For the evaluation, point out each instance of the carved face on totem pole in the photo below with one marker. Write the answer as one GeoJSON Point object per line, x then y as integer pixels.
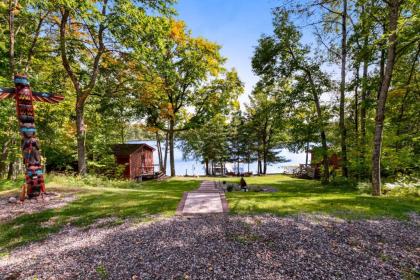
{"type": "Point", "coordinates": [24, 97]}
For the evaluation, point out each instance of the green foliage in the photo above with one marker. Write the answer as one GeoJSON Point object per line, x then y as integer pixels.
{"type": "Point", "coordinates": [102, 272]}
{"type": "Point", "coordinates": [266, 125]}
{"type": "Point", "coordinates": [183, 72]}
{"type": "Point", "coordinates": [207, 143]}
{"type": "Point", "coordinates": [343, 182]}
{"type": "Point", "coordinates": [153, 71]}
{"type": "Point", "coordinates": [284, 60]}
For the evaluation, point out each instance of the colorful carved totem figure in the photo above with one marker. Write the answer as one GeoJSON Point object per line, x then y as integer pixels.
{"type": "Point", "coordinates": [34, 185]}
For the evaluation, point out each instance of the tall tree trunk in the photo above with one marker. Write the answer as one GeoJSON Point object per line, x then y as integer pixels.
{"type": "Point", "coordinates": [3, 158]}
{"type": "Point", "coordinates": [122, 133]}
{"type": "Point", "coordinates": [363, 111]}
{"type": "Point", "coordinates": [165, 156]}
{"type": "Point", "coordinates": [265, 167]}
{"type": "Point", "coordinates": [356, 104]}
{"type": "Point", "coordinates": [12, 63]}
{"type": "Point", "coordinates": [264, 158]}
{"type": "Point", "coordinates": [171, 147]}
{"type": "Point", "coordinates": [12, 161]}
{"type": "Point", "coordinates": [364, 94]}
{"type": "Point", "coordinates": [356, 118]}
{"type": "Point", "coordinates": [159, 150]}
{"type": "Point", "coordinates": [325, 161]}
{"type": "Point", "coordinates": [307, 153]}
{"type": "Point", "coordinates": [381, 63]}
{"type": "Point", "coordinates": [404, 100]}
{"type": "Point", "coordinates": [326, 174]}
{"type": "Point", "coordinates": [265, 152]}
{"type": "Point", "coordinates": [343, 130]}
{"type": "Point", "coordinates": [264, 146]}
{"type": "Point", "coordinates": [381, 71]}
{"type": "Point", "coordinates": [81, 137]}
{"type": "Point", "coordinates": [259, 166]}
{"type": "Point", "coordinates": [207, 167]}
{"type": "Point", "coordinates": [10, 172]}
{"type": "Point", "coordinates": [394, 7]}
{"type": "Point", "coordinates": [81, 93]}
{"type": "Point", "coordinates": [237, 167]}
{"type": "Point", "coordinates": [12, 71]}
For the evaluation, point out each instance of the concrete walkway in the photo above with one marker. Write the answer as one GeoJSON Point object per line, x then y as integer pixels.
{"type": "Point", "coordinates": [206, 200]}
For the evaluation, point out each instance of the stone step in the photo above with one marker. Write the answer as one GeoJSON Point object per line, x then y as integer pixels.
{"type": "Point", "coordinates": [207, 199]}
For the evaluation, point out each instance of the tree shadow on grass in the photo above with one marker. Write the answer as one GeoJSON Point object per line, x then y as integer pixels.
{"type": "Point", "coordinates": [159, 198]}
{"type": "Point", "coordinates": [349, 206]}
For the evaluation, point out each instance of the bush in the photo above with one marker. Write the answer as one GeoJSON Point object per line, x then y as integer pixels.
{"type": "Point", "coordinates": [343, 182]}
{"type": "Point", "coordinates": [364, 187]}
{"type": "Point", "coordinates": [403, 186]}
{"type": "Point", "coordinates": [90, 181]}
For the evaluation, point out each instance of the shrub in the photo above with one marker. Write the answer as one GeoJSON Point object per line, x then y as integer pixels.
{"type": "Point", "coordinates": [343, 182]}
{"type": "Point", "coordinates": [364, 187]}
{"type": "Point", "coordinates": [403, 186]}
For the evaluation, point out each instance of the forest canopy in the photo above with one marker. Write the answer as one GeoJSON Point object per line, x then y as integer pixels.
{"type": "Point", "coordinates": [132, 69]}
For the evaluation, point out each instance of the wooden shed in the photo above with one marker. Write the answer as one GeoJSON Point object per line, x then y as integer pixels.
{"type": "Point", "coordinates": [137, 158]}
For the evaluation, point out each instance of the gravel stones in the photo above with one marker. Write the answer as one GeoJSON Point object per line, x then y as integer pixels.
{"type": "Point", "coordinates": [10, 210]}
{"type": "Point", "coordinates": [225, 247]}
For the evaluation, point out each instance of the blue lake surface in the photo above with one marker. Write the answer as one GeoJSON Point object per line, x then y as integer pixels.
{"type": "Point", "coordinates": [192, 167]}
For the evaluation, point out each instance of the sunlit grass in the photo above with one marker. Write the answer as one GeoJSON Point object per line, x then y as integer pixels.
{"type": "Point", "coordinates": [97, 199]}
{"type": "Point", "coordinates": [309, 196]}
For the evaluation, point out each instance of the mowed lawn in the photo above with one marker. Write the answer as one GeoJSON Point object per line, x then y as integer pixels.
{"type": "Point", "coordinates": [96, 199]}
{"type": "Point", "coordinates": [309, 196]}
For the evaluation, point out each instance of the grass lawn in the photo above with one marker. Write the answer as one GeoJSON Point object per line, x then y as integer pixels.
{"type": "Point", "coordinates": [97, 198]}
{"type": "Point", "coordinates": [9, 185]}
{"type": "Point", "coordinates": [309, 196]}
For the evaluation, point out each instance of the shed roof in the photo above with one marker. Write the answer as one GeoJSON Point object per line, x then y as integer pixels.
{"type": "Point", "coordinates": [128, 149]}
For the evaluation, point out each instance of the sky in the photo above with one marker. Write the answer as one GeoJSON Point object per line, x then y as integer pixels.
{"type": "Point", "coordinates": [236, 25]}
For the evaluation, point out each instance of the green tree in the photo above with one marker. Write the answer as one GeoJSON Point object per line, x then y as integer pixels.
{"type": "Point", "coordinates": [283, 57]}
{"type": "Point", "coordinates": [101, 24]}
{"type": "Point", "coordinates": [190, 84]}
{"type": "Point", "coordinates": [208, 143]}
{"type": "Point", "coordinates": [395, 15]}
{"type": "Point", "coordinates": [266, 115]}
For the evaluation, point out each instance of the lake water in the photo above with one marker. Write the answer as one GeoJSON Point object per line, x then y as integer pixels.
{"type": "Point", "coordinates": [192, 167]}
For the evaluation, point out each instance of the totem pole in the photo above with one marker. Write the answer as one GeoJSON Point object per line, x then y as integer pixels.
{"type": "Point", "coordinates": [24, 96]}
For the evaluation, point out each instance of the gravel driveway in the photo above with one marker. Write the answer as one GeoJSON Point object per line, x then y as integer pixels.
{"type": "Point", "coordinates": [225, 247]}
